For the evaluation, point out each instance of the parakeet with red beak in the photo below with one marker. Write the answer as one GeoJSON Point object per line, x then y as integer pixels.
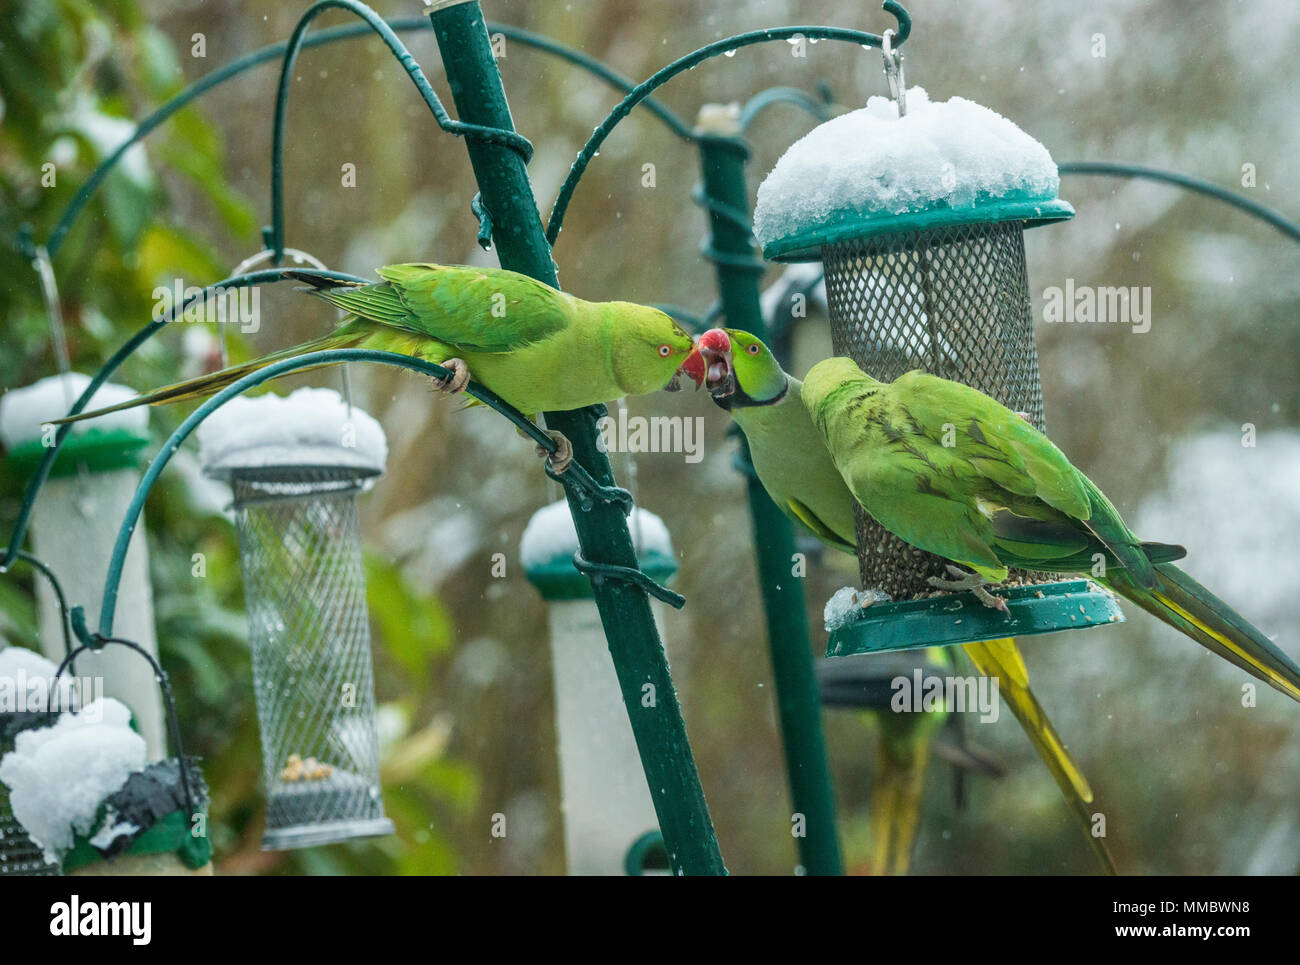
{"type": "Point", "coordinates": [796, 468]}
{"type": "Point", "coordinates": [538, 348]}
{"type": "Point", "coordinates": [992, 492]}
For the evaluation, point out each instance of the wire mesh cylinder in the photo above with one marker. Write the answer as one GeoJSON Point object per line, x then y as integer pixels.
{"type": "Point", "coordinates": [305, 592]}
{"type": "Point", "coordinates": [953, 301]}
{"type": "Point", "coordinates": [19, 855]}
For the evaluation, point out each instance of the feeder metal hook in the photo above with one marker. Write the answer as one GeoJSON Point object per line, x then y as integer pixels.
{"type": "Point", "coordinates": [299, 258]}
{"type": "Point", "coordinates": [893, 59]}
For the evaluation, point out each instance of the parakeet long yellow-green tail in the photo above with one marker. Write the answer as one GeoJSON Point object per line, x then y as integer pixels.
{"type": "Point", "coordinates": [1002, 659]}
{"type": "Point", "coordinates": [949, 470]}
{"type": "Point", "coordinates": [897, 786]}
{"type": "Point", "coordinates": [538, 348]}
{"type": "Point", "coordinates": [795, 467]}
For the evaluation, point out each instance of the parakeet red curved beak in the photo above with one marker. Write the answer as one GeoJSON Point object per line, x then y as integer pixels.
{"type": "Point", "coordinates": [694, 367]}
{"type": "Point", "coordinates": [714, 347]}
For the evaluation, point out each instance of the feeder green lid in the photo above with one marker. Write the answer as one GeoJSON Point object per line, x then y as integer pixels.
{"type": "Point", "coordinates": [549, 542]}
{"type": "Point", "coordinates": [99, 450]}
{"type": "Point", "coordinates": [870, 172]}
{"type": "Point", "coordinates": [101, 445]}
{"type": "Point", "coordinates": [958, 618]}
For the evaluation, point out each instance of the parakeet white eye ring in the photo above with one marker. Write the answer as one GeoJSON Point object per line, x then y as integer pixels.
{"type": "Point", "coordinates": [753, 349]}
{"type": "Point", "coordinates": [665, 351]}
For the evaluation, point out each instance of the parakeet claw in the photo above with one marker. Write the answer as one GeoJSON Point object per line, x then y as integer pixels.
{"type": "Point", "coordinates": [459, 378]}
{"type": "Point", "coordinates": [972, 582]}
{"type": "Point", "coordinates": [563, 455]}
{"type": "Point", "coordinates": [1025, 416]}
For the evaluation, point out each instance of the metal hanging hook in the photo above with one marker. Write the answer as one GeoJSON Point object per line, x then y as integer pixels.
{"type": "Point", "coordinates": [301, 258]}
{"type": "Point", "coordinates": [893, 58]}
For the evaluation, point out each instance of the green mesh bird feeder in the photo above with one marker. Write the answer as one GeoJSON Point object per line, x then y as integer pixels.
{"type": "Point", "coordinates": [75, 524]}
{"type": "Point", "coordinates": [610, 826]}
{"type": "Point", "coordinates": [917, 210]}
{"type": "Point", "coordinates": [295, 465]}
{"type": "Point", "coordinates": [79, 783]}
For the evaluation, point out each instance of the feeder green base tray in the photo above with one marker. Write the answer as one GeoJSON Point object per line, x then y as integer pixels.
{"type": "Point", "coordinates": [957, 618]}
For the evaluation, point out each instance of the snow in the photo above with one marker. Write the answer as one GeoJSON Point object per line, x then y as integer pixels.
{"type": "Point", "coordinates": [25, 682]}
{"type": "Point", "coordinates": [110, 831]}
{"type": "Point", "coordinates": [308, 427]}
{"type": "Point", "coordinates": [550, 535]}
{"type": "Point", "coordinates": [23, 411]}
{"type": "Point", "coordinates": [844, 606]}
{"type": "Point", "coordinates": [941, 153]}
{"type": "Point", "coordinates": [58, 776]}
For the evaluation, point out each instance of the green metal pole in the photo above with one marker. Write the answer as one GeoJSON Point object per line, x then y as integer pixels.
{"type": "Point", "coordinates": [723, 154]}
{"type": "Point", "coordinates": [603, 535]}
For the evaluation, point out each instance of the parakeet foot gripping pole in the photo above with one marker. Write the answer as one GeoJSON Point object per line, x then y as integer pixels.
{"type": "Point", "coordinates": [507, 197]}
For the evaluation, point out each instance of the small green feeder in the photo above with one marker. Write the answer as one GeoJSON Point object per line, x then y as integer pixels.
{"type": "Point", "coordinates": [610, 827]}
{"type": "Point", "coordinates": [75, 525]}
{"type": "Point", "coordinates": [918, 217]}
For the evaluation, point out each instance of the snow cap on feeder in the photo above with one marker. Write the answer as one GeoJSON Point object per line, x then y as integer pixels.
{"type": "Point", "coordinates": [296, 464]}
{"type": "Point", "coordinates": [75, 524]}
{"type": "Point", "coordinates": [110, 442]}
{"type": "Point", "coordinates": [871, 172]}
{"type": "Point", "coordinates": [610, 827]}
{"type": "Point", "coordinates": [81, 787]}
{"type": "Point", "coordinates": [309, 428]}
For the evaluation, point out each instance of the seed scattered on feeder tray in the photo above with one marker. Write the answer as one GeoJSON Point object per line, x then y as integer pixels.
{"type": "Point", "coordinates": [297, 769]}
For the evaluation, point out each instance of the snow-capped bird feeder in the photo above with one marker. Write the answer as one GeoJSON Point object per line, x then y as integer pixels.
{"type": "Point", "coordinates": [75, 524]}
{"type": "Point", "coordinates": [24, 675]}
{"type": "Point", "coordinates": [82, 788]}
{"type": "Point", "coordinates": [918, 216]}
{"type": "Point", "coordinates": [295, 465]}
{"type": "Point", "coordinates": [610, 827]}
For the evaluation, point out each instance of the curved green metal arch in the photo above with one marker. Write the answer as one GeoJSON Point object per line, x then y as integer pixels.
{"type": "Point", "coordinates": [42, 471]}
{"type": "Point", "coordinates": [1119, 169]}
{"type": "Point", "coordinates": [274, 51]}
{"type": "Point", "coordinates": [693, 59]}
{"type": "Point", "coordinates": [489, 398]}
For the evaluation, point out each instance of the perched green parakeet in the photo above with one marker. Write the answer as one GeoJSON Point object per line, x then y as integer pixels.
{"type": "Point", "coordinates": [1001, 495]}
{"type": "Point", "coordinates": [538, 348]}
{"type": "Point", "coordinates": [795, 467]}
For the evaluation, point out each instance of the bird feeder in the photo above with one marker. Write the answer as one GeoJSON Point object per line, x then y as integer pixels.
{"type": "Point", "coordinates": [610, 827]}
{"type": "Point", "coordinates": [75, 524]}
{"type": "Point", "coordinates": [79, 785]}
{"type": "Point", "coordinates": [23, 674]}
{"type": "Point", "coordinates": [918, 216]}
{"type": "Point", "coordinates": [295, 465]}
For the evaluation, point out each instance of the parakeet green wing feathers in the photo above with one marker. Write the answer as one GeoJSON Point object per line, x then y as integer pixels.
{"type": "Point", "coordinates": [489, 311]}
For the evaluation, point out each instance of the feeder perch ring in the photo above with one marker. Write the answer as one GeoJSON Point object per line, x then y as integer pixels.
{"type": "Point", "coordinates": [953, 619]}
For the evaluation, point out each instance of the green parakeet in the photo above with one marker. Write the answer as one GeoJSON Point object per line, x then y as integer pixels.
{"type": "Point", "coordinates": [949, 470]}
{"type": "Point", "coordinates": [795, 467]}
{"type": "Point", "coordinates": [538, 348]}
